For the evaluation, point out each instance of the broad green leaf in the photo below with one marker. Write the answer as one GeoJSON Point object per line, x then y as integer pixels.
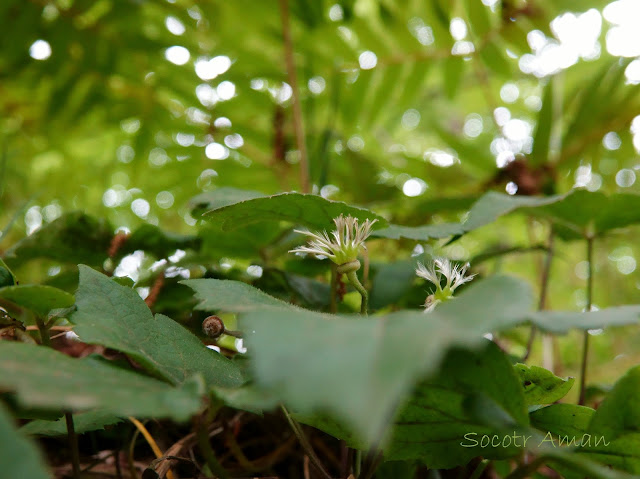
{"type": "Point", "coordinates": [72, 238]}
{"type": "Point", "coordinates": [45, 378]}
{"type": "Point", "coordinates": [19, 456]}
{"type": "Point", "coordinates": [562, 420]}
{"type": "Point", "coordinates": [493, 205]}
{"type": "Point", "coordinates": [617, 422]}
{"type": "Point", "coordinates": [542, 136]}
{"type": "Point", "coordinates": [233, 296]}
{"type": "Point", "coordinates": [337, 364]}
{"type": "Point", "coordinates": [560, 322]}
{"type": "Point", "coordinates": [420, 233]}
{"type": "Point", "coordinates": [577, 214]}
{"type": "Point", "coordinates": [220, 197]}
{"type": "Point", "coordinates": [541, 386]}
{"type": "Point", "coordinates": [116, 317]}
{"type": "Point", "coordinates": [309, 210]}
{"type": "Point", "coordinates": [440, 425]}
{"type": "Point", "coordinates": [40, 299]}
{"type": "Point", "coordinates": [584, 212]}
{"type": "Point", "coordinates": [82, 422]}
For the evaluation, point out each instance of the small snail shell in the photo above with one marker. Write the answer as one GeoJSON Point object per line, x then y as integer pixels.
{"type": "Point", "coordinates": [213, 327]}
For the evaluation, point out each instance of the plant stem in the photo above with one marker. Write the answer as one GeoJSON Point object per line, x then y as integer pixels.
{"type": "Point", "coordinates": [585, 340]}
{"type": "Point", "coordinates": [202, 435]}
{"type": "Point", "coordinates": [544, 288]}
{"type": "Point", "coordinates": [44, 332]}
{"type": "Point", "coordinates": [298, 126]}
{"type": "Point", "coordinates": [297, 430]}
{"type": "Point", "coordinates": [480, 469]}
{"type": "Point", "coordinates": [73, 444]}
{"type": "Point", "coordinates": [364, 305]}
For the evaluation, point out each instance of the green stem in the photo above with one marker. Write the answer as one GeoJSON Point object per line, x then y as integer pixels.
{"type": "Point", "coordinates": [44, 332]}
{"type": "Point", "coordinates": [585, 340]}
{"type": "Point", "coordinates": [304, 442]}
{"type": "Point", "coordinates": [544, 288]}
{"type": "Point", "coordinates": [480, 469]}
{"type": "Point", "coordinates": [202, 435]}
{"type": "Point", "coordinates": [73, 444]}
{"type": "Point", "coordinates": [364, 305]}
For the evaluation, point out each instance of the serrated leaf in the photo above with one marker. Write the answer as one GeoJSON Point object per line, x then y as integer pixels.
{"type": "Point", "coordinates": [73, 238]}
{"type": "Point", "coordinates": [309, 210]}
{"type": "Point", "coordinates": [116, 317]}
{"type": "Point", "coordinates": [380, 357]}
{"type": "Point", "coordinates": [233, 296]}
{"type": "Point", "coordinates": [220, 197]}
{"type": "Point", "coordinates": [44, 378]}
{"type": "Point", "coordinates": [82, 422]}
{"type": "Point", "coordinates": [19, 457]}
{"type": "Point", "coordinates": [40, 299]}
{"type": "Point", "coordinates": [542, 386]}
{"type": "Point", "coordinates": [439, 426]}
{"type": "Point", "coordinates": [419, 233]}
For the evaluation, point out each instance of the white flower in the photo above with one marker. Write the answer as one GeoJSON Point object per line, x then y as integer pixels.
{"type": "Point", "coordinates": [437, 270]}
{"type": "Point", "coordinates": [343, 245]}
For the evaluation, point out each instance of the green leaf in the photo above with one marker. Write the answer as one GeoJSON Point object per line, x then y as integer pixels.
{"type": "Point", "coordinates": [378, 357]}
{"type": "Point", "coordinates": [42, 377]}
{"type": "Point", "coordinates": [419, 233]}
{"type": "Point", "coordinates": [617, 421]}
{"type": "Point", "coordinates": [542, 386]}
{"type": "Point", "coordinates": [73, 238]}
{"type": "Point", "coordinates": [493, 205]}
{"type": "Point", "coordinates": [116, 317]}
{"type": "Point", "coordinates": [578, 214]}
{"type": "Point", "coordinates": [82, 422]}
{"type": "Point", "coordinates": [562, 419]}
{"type": "Point", "coordinates": [19, 457]}
{"type": "Point", "coordinates": [440, 425]}
{"type": "Point", "coordinates": [39, 299]}
{"type": "Point", "coordinates": [309, 210]}
{"type": "Point", "coordinates": [560, 322]}
{"type": "Point", "coordinates": [542, 136]}
{"type": "Point", "coordinates": [233, 296]}
{"type": "Point", "coordinates": [212, 200]}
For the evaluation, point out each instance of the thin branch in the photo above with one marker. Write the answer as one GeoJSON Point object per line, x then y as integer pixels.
{"type": "Point", "coordinates": [304, 442]}
{"type": "Point", "coordinates": [73, 444]}
{"type": "Point", "coordinates": [585, 340]}
{"type": "Point", "coordinates": [544, 288]}
{"type": "Point", "coordinates": [305, 183]}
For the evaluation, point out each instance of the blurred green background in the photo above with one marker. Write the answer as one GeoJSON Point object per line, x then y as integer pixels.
{"type": "Point", "coordinates": [126, 109]}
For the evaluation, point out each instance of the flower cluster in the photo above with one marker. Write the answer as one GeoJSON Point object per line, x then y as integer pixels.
{"type": "Point", "coordinates": [440, 268]}
{"type": "Point", "coordinates": [343, 245]}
